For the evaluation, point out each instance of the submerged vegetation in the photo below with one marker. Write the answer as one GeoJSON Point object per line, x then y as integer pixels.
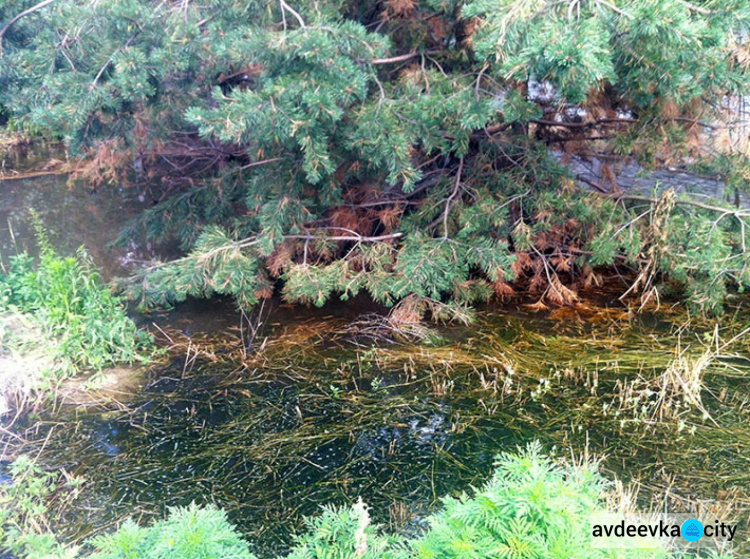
{"type": "Point", "coordinates": [313, 418]}
{"type": "Point", "coordinates": [532, 507]}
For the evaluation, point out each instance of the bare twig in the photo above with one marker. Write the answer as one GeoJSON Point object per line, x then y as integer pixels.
{"type": "Point", "coordinates": [694, 8]}
{"type": "Point", "coordinates": [615, 9]}
{"type": "Point", "coordinates": [254, 324]}
{"type": "Point", "coordinates": [479, 78]}
{"type": "Point", "coordinates": [686, 202]}
{"type": "Point", "coordinates": [402, 58]}
{"type": "Point", "coordinates": [596, 185]}
{"type": "Point", "coordinates": [261, 162]}
{"type": "Point", "coordinates": [110, 59]}
{"type": "Point", "coordinates": [353, 238]}
{"type": "Point", "coordinates": [631, 222]}
{"type": "Point", "coordinates": [449, 201]}
{"type": "Point", "coordinates": [287, 7]}
{"type": "Point", "coordinates": [583, 124]}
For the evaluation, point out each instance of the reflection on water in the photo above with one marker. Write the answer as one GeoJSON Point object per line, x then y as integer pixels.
{"type": "Point", "coordinates": [73, 217]}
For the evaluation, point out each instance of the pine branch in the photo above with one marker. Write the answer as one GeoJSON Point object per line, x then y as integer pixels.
{"type": "Point", "coordinates": [31, 10]}
{"type": "Point", "coordinates": [252, 241]}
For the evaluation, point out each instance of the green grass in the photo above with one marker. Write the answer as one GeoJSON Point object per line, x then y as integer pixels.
{"type": "Point", "coordinates": [72, 313]}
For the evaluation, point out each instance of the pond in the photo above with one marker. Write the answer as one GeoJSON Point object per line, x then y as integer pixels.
{"type": "Point", "coordinates": [324, 407]}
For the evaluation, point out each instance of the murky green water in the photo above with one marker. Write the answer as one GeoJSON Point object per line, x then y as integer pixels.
{"type": "Point", "coordinates": [324, 415]}
{"type": "Point", "coordinates": [73, 217]}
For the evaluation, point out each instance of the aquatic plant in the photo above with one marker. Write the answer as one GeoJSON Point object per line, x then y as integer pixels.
{"type": "Point", "coordinates": [84, 325]}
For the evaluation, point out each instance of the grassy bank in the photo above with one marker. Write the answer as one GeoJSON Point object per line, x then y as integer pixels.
{"type": "Point", "coordinates": [57, 318]}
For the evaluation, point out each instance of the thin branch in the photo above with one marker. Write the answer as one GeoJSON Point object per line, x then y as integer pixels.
{"type": "Point", "coordinates": [596, 185]}
{"type": "Point", "coordinates": [449, 201]}
{"type": "Point", "coordinates": [110, 59]}
{"type": "Point", "coordinates": [287, 7]}
{"type": "Point", "coordinates": [354, 238]}
{"type": "Point", "coordinates": [686, 202]}
{"type": "Point", "coordinates": [564, 124]}
{"type": "Point", "coordinates": [700, 123]}
{"type": "Point", "coordinates": [616, 9]}
{"type": "Point", "coordinates": [31, 10]}
{"type": "Point", "coordinates": [694, 8]}
{"type": "Point", "coordinates": [435, 62]}
{"type": "Point", "coordinates": [204, 21]}
{"type": "Point", "coordinates": [283, 16]}
{"type": "Point", "coordinates": [261, 162]}
{"type": "Point", "coordinates": [562, 141]}
{"type": "Point", "coordinates": [631, 222]}
{"type": "Point", "coordinates": [583, 124]}
{"type": "Point", "coordinates": [547, 269]}
{"type": "Point", "coordinates": [402, 58]}
{"type": "Point", "coordinates": [489, 131]}
{"type": "Point", "coordinates": [486, 131]}
{"type": "Point", "coordinates": [479, 78]}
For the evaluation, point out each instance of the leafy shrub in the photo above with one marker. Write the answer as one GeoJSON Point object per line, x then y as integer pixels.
{"type": "Point", "coordinates": [532, 508]}
{"type": "Point", "coordinates": [86, 323]}
{"type": "Point", "coordinates": [189, 533]}
{"type": "Point", "coordinates": [345, 533]}
{"type": "Point", "coordinates": [24, 513]}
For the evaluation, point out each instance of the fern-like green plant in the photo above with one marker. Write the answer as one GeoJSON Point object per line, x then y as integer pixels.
{"type": "Point", "coordinates": [345, 533]}
{"type": "Point", "coordinates": [532, 508]}
{"type": "Point", "coordinates": [189, 532]}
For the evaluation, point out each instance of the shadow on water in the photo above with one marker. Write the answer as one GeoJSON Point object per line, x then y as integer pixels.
{"type": "Point", "coordinates": [73, 216]}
